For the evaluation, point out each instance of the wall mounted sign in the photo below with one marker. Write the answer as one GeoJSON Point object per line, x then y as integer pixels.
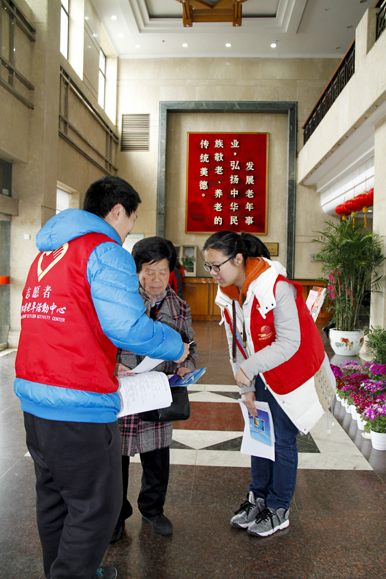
{"type": "Point", "coordinates": [227, 182]}
{"type": "Point", "coordinates": [273, 249]}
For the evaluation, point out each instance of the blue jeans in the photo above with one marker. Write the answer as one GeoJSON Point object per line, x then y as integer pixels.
{"type": "Point", "coordinates": [275, 481]}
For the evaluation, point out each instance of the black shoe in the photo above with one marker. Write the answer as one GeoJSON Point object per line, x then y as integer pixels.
{"type": "Point", "coordinates": [106, 572]}
{"type": "Point", "coordinates": [160, 524]}
{"type": "Point", "coordinates": [117, 533]}
{"type": "Point", "coordinates": [126, 512]}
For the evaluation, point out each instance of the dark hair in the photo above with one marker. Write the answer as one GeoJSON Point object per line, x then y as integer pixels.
{"type": "Point", "coordinates": [231, 243]}
{"type": "Point", "coordinates": [152, 250]}
{"type": "Point", "coordinates": [104, 194]}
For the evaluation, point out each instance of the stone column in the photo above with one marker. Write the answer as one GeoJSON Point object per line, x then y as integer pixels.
{"type": "Point", "coordinates": [34, 182]}
{"type": "Point", "coordinates": [378, 301]}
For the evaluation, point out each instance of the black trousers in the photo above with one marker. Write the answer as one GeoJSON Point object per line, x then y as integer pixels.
{"type": "Point", "coordinates": [155, 478]}
{"type": "Point", "coordinates": [78, 492]}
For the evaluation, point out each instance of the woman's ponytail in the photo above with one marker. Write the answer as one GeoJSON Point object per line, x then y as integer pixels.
{"type": "Point", "coordinates": [254, 245]}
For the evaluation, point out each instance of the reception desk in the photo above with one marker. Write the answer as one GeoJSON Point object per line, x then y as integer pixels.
{"type": "Point", "coordinates": [200, 293]}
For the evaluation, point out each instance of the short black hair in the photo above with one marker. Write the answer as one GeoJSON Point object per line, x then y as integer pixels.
{"type": "Point", "coordinates": [152, 250]}
{"type": "Point", "coordinates": [104, 194]}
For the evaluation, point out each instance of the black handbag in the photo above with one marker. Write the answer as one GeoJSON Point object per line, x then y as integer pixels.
{"type": "Point", "coordinates": [178, 410]}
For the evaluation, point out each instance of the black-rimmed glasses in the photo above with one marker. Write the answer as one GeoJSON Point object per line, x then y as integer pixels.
{"type": "Point", "coordinates": [215, 268]}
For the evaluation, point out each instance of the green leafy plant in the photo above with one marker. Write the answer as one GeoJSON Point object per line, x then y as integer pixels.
{"type": "Point", "coordinates": [376, 343]}
{"type": "Point", "coordinates": [350, 257]}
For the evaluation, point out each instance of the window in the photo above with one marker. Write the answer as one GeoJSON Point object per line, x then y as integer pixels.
{"type": "Point", "coordinates": [64, 23]}
{"type": "Point", "coordinates": [102, 79]}
{"type": "Point", "coordinates": [5, 178]}
{"type": "Point", "coordinates": [63, 200]}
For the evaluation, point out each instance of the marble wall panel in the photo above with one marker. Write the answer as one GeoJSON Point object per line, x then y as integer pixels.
{"type": "Point", "coordinates": [143, 84]}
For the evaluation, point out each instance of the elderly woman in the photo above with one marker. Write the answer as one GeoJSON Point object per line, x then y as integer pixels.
{"type": "Point", "coordinates": [155, 258]}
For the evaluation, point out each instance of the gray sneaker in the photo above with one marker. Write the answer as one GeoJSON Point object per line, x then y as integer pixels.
{"type": "Point", "coordinates": [248, 511]}
{"type": "Point", "coordinates": [269, 521]}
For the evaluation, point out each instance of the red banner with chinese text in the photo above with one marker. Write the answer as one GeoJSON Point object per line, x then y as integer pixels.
{"type": "Point", "coordinates": [227, 177]}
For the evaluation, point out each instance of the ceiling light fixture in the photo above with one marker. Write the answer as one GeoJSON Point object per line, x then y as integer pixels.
{"type": "Point", "coordinates": [113, 17]}
{"type": "Point", "coordinates": [228, 45]}
{"type": "Point", "coordinates": [273, 45]}
{"type": "Point", "coordinates": [137, 46]}
{"type": "Point", "coordinates": [185, 45]}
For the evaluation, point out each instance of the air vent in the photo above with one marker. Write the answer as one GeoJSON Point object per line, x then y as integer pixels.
{"type": "Point", "coordinates": [135, 132]}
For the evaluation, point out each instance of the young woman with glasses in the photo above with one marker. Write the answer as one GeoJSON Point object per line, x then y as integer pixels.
{"type": "Point", "coordinates": [277, 356]}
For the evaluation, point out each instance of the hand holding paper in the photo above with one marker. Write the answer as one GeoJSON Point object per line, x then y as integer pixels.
{"type": "Point", "coordinates": [248, 398]}
{"type": "Point", "coordinates": [122, 370]}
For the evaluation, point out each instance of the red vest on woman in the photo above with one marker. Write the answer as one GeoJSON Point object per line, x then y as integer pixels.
{"type": "Point", "coordinates": [62, 342]}
{"type": "Point", "coordinates": [304, 364]}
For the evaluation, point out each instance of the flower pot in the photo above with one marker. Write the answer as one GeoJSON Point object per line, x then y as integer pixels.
{"type": "Point", "coordinates": [354, 412]}
{"type": "Point", "coordinates": [360, 422]}
{"type": "Point", "coordinates": [378, 440]}
{"type": "Point", "coordinates": [346, 343]}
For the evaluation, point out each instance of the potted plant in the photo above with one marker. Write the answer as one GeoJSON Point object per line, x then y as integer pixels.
{"type": "Point", "coordinates": [350, 257]}
{"type": "Point", "coordinates": [376, 343]}
{"type": "Point", "coordinates": [365, 390]}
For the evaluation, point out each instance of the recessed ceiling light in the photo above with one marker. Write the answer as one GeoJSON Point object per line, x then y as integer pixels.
{"type": "Point", "coordinates": [137, 46]}
{"type": "Point", "coordinates": [228, 45]}
{"type": "Point", "coordinates": [273, 45]}
{"type": "Point", "coordinates": [113, 17]}
{"type": "Point", "coordinates": [86, 17]}
{"type": "Point", "coordinates": [185, 45]}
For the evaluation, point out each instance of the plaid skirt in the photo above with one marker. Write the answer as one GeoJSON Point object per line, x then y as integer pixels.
{"type": "Point", "coordinates": [139, 436]}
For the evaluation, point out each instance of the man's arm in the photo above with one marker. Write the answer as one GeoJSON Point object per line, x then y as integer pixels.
{"type": "Point", "coordinates": [113, 280]}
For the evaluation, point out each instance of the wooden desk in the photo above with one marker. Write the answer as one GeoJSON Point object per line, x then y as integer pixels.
{"type": "Point", "coordinates": [200, 293]}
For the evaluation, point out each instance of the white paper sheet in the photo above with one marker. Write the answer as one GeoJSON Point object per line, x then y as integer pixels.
{"type": "Point", "coordinates": [259, 435]}
{"type": "Point", "coordinates": [146, 365]}
{"type": "Point", "coordinates": [144, 392]}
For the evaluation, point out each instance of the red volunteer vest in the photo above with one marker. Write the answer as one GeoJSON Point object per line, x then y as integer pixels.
{"type": "Point", "coordinates": [306, 361]}
{"type": "Point", "coordinates": [61, 341]}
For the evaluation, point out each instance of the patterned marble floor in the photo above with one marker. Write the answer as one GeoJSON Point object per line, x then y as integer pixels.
{"type": "Point", "coordinates": [337, 525]}
{"type": "Point", "coordinates": [217, 440]}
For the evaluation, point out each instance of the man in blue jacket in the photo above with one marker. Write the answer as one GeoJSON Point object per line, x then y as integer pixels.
{"type": "Point", "coordinates": [80, 303]}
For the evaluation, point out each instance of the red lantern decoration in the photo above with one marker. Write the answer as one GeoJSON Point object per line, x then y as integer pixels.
{"type": "Point", "coordinates": [353, 207]}
{"type": "Point", "coordinates": [341, 210]}
{"type": "Point", "coordinates": [370, 200]}
{"type": "Point", "coordinates": [362, 200]}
